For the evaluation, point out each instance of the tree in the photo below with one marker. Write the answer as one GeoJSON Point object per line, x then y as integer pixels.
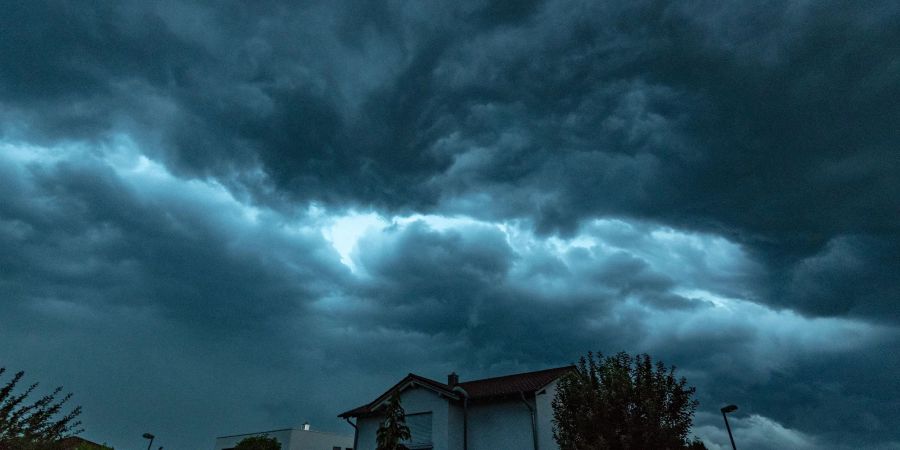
{"type": "Point", "coordinates": [258, 443]}
{"type": "Point", "coordinates": [623, 403]}
{"type": "Point", "coordinates": [393, 429]}
{"type": "Point", "coordinates": [36, 425]}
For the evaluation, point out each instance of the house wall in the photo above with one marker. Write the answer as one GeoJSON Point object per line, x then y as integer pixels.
{"type": "Point", "coordinates": [502, 425]}
{"type": "Point", "coordinates": [544, 414]}
{"type": "Point", "coordinates": [455, 427]}
{"type": "Point", "coordinates": [366, 429]}
{"type": "Point", "coordinates": [414, 400]}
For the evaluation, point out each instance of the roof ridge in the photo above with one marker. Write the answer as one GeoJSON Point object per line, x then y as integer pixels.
{"type": "Point", "coordinates": [427, 379]}
{"type": "Point", "coordinates": [572, 366]}
{"type": "Point", "coordinates": [257, 432]}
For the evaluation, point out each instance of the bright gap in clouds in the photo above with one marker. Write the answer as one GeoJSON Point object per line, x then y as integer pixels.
{"type": "Point", "coordinates": [345, 231]}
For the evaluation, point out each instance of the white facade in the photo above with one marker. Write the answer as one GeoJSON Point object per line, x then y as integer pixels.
{"type": "Point", "coordinates": [416, 400]}
{"type": "Point", "coordinates": [293, 439]}
{"type": "Point", "coordinates": [544, 416]}
{"type": "Point", "coordinates": [499, 424]}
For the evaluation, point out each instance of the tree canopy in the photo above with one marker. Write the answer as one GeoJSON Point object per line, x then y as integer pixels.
{"type": "Point", "coordinates": [258, 443]}
{"type": "Point", "coordinates": [393, 430]}
{"type": "Point", "coordinates": [623, 403]}
{"type": "Point", "coordinates": [35, 425]}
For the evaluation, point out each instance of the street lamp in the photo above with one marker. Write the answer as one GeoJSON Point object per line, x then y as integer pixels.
{"type": "Point", "coordinates": [149, 436]}
{"type": "Point", "coordinates": [726, 410]}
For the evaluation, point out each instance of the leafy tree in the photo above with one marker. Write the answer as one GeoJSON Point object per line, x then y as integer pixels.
{"type": "Point", "coordinates": [37, 425]}
{"type": "Point", "coordinates": [258, 443]}
{"type": "Point", "coordinates": [393, 430]}
{"type": "Point", "coordinates": [623, 403]}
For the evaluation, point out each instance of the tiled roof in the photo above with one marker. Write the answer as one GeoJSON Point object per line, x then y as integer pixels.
{"type": "Point", "coordinates": [527, 382]}
{"type": "Point", "coordinates": [512, 384]}
{"type": "Point", "coordinates": [73, 442]}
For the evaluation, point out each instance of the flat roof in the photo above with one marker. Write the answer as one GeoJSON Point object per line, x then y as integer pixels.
{"type": "Point", "coordinates": [283, 429]}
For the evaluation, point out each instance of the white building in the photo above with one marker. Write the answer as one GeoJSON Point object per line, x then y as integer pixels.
{"type": "Point", "coordinates": [294, 439]}
{"type": "Point", "coordinates": [511, 412]}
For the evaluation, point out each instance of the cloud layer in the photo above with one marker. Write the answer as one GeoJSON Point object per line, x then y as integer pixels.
{"type": "Point", "coordinates": [259, 216]}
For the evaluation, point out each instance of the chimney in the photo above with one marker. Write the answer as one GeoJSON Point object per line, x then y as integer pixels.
{"type": "Point", "coordinates": [452, 379]}
{"type": "Point", "coordinates": [305, 426]}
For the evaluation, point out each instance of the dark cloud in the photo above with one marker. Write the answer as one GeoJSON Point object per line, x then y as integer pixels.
{"type": "Point", "coordinates": [851, 275]}
{"type": "Point", "coordinates": [159, 249]}
{"type": "Point", "coordinates": [634, 173]}
{"type": "Point", "coordinates": [772, 126]}
{"type": "Point", "coordinates": [468, 283]}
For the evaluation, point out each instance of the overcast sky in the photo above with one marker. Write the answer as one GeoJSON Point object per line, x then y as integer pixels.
{"type": "Point", "coordinates": [227, 217]}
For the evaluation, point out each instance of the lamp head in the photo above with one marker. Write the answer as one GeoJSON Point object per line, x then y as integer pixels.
{"type": "Point", "coordinates": [148, 436]}
{"type": "Point", "coordinates": [729, 408]}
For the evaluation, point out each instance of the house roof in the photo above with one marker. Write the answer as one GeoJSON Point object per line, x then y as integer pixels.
{"type": "Point", "coordinates": [512, 384]}
{"type": "Point", "coordinates": [73, 442]}
{"type": "Point", "coordinates": [485, 388]}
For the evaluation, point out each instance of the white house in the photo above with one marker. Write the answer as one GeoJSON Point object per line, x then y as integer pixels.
{"type": "Point", "coordinates": [511, 412]}
{"type": "Point", "coordinates": [301, 438]}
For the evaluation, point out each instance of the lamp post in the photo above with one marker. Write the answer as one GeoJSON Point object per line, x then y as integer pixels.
{"type": "Point", "coordinates": [149, 436]}
{"type": "Point", "coordinates": [725, 410]}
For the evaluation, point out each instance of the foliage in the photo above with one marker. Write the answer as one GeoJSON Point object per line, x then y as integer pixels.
{"type": "Point", "coordinates": [393, 430]}
{"type": "Point", "coordinates": [258, 443]}
{"type": "Point", "coordinates": [36, 425]}
{"type": "Point", "coordinates": [623, 403]}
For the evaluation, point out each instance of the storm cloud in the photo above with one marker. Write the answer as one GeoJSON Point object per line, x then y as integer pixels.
{"type": "Point", "coordinates": [216, 218]}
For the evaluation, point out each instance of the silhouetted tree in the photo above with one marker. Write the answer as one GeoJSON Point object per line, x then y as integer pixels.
{"type": "Point", "coordinates": [258, 443]}
{"type": "Point", "coordinates": [623, 403]}
{"type": "Point", "coordinates": [393, 430]}
{"type": "Point", "coordinates": [37, 425]}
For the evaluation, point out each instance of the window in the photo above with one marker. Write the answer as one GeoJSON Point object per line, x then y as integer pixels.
{"type": "Point", "coordinates": [419, 430]}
